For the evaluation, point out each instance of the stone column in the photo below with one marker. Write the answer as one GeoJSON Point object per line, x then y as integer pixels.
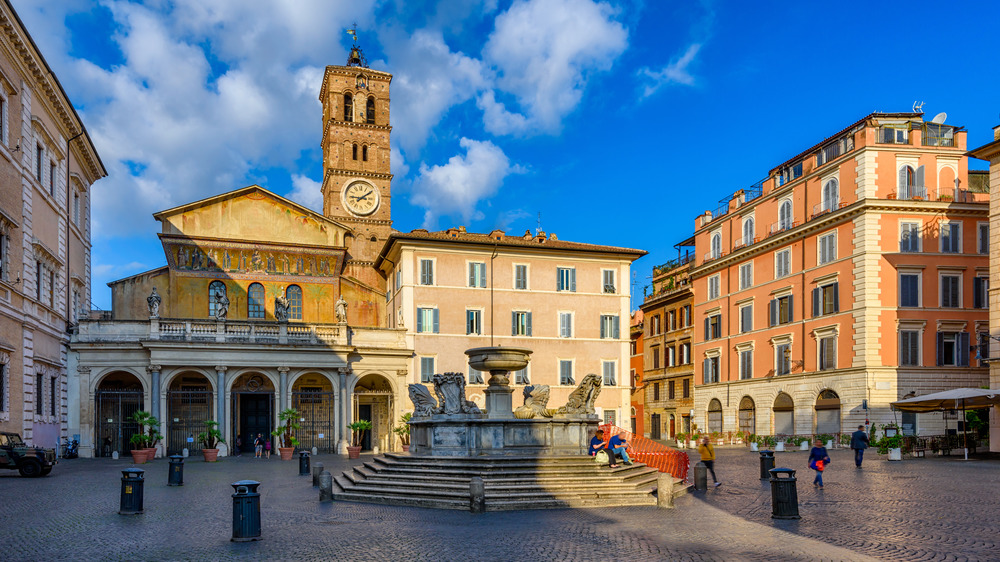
{"type": "Point", "coordinates": [220, 399]}
{"type": "Point", "coordinates": [345, 412]}
{"type": "Point", "coordinates": [154, 390]}
{"type": "Point", "coordinates": [87, 413]}
{"type": "Point", "coordinates": [282, 388]}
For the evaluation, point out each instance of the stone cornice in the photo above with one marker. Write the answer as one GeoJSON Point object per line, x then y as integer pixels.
{"type": "Point", "coordinates": [358, 173]}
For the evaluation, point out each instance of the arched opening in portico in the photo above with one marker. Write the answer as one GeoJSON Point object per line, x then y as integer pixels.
{"type": "Point", "coordinates": [784, 415]}
{"type": "Point", "coordinates": [313, 397]}
{"type": "Point", "coordinates": [117, 397]}
{"type": "Point", "coordinates": [748, 415]}
{"type": "Point", "coordinates": [189, 406]}
{"type": "Point", "coordinates": [373, 401]}
{"type": "Point", "coordinates": [252, 410]}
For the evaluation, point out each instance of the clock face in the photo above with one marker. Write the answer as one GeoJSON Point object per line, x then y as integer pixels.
{"type": "Point", "coordinates": [361, 198]}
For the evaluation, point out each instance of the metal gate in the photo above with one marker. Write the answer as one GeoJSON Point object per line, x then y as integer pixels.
{"type": "Point", "coordinates": [187, 412]}
{"type": "Point", "coordinates": [316, 413]}
{"type": "Point", "coordinates": [113, 408]}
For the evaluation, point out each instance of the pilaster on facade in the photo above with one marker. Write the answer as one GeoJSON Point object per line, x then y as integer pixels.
{"type": "Point", "coordinates": [866, 183]}
{"type": "Point", "coordinates": [867, 290]}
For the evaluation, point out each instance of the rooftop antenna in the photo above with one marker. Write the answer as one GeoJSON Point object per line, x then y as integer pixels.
{"type": "Point", "coordinates": [538, 227]}
{"type": "Point", "coordinates": [939, 118]}
{"type": "Point", "coordinates": [918, 107]}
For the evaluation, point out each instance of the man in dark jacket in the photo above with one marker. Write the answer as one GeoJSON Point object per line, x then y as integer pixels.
{"type": "Point", "coordinates": [859, 442]}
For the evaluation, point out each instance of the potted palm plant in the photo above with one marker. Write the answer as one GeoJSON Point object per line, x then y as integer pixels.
{"type": "Point", "coordinates": [290, 419]}
{"type": "Point", "coordinates": [358, 430]}
{"type": "Point", "coordinates": [403, 431]}
{"type": "Point", "coordinates": [210, 439]}
{"type": "Point", "coordinates": [153, 436]}
{"type": "Point", "coordinates": [140, 441]}
{"type": "Point", "coordinates": [139, 452]}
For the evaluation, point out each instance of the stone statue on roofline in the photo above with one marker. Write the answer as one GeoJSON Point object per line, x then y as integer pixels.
{"type": "Point", "coordinates": [282, 308]}
{"type": "Point", "coordinates": [153, 302]}
{"type": "Point", "coordinates": [221, 306]}
{"type": "Point", "coordinates": [340, 310]}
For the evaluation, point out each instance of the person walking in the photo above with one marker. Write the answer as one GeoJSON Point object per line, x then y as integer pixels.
{"type": "Point", "coordinates": [707, 453]}
{"type": "Point", "coordinates": [239, 445]}
{"type": "Point", "coordinates": [258, 446]}
{"type": "Point", "coordinates": [818, 460]}
{"type": "Point", "coordinates": [617, 446]}
{"type": "Point", "coordinates": [597, 445]}
{"type": "Point", "coordinates": [267, 448]}
{"type": "Point", "coordinates": [859, 442]}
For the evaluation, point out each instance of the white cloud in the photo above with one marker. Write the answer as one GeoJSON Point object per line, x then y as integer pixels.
{"type": "Point", "coordinates": [307, 192]}
{"type": "Point", "coordinates": [456, 187]}
{"type": "Point", "coordinates": [544, 51]}
{"type": "Point", "coordinates": [674, 73]}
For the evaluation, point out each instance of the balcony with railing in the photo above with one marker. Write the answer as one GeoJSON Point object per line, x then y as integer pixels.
{"type": "Point", "coordinates": [684, 259]}
{"type": "Point", "coordinates": [781, 226]}
{"type": "Point", "coordinates": [828, 206]}
{"type": "Point", "coordinates": [742, 197]}
{"type": "Point", "coordinates": [910, 193]}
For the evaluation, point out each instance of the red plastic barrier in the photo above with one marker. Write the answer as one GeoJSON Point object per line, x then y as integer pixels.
{"type": "Point", "coordinates": [653, 454]}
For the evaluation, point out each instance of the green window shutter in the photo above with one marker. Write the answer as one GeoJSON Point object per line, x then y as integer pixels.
{"type": "Point", "coordinates": [528, 314]}
{"type": "Point", "coordinates": [435, 314]}
{"type": "Point", "coordinates": [420, 320]}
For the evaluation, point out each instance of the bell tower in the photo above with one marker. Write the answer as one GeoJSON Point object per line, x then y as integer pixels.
{"type": "Point", "coordinates": [356, 171]}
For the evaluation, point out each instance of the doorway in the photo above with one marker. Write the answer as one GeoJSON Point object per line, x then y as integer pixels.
{"type": "Point", "coordinates": [117, 397]}
{"type": "Point", "coordinates": [654, 426]}
{"type": "Point", "coordinates": [189, 406]}
{"type": "Point", "coordinates": [365, 413]}
{"type": "Point", "coordinates": [255, 417]}
{"type": "Point", "coordinates": [673, 426]}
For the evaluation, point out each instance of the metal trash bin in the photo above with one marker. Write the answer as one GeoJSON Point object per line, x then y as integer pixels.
{"type": "Point", "coordinates": [246, 511]}
{"type": "Point", "coordinates": [784, 496]}
{"type": "Point", "coordinates": [132, 485]}
{"type": "Point", "coordinates": [303, 463]}
{"type": "Point", "coordinates": [175, 474]}
{"type": "Point", "coordinates": [700, 476]}
{"type": "Point", "coordinates": [766, 463]}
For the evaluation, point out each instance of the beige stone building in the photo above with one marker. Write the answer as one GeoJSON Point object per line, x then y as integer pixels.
{"type": "Point", "coordinates": [47, 167]}
{"type": "Point", "coordinates": [454, 290]}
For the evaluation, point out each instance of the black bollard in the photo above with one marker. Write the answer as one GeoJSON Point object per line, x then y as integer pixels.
{"type": "Point", "coordinates": [477, 495]}
{"type": "Point", "coordinates": [132, 483]}
{"type": "Point", "coordinates": [175, 474]}
{"type": "Point", "coordinates": [701, 476]}
{"type": "Point", "coordinates": [246, 511]}
{"type": "Point", "coordinates": [317, 469]}
{"type": "Point", "coordinates": [303, 463]}
{"type": "Point", "coordinates": [784, 496]}
{"type": "Point", "coordinates": [766, 463]}
{"type": "Point", "coordinates": [325, 486]}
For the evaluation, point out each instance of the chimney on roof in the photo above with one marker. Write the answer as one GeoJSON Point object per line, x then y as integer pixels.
{"type": "Point", "coordinates": [996, 132]}
{"type": "Point", "coordinates": [541, 236]}
{"type": "Point", "coordinates": [527, 234]}
{"type": "Point", "coordinates": [461, 229]}
{"type": "Point", "coordinates": [552, 236]}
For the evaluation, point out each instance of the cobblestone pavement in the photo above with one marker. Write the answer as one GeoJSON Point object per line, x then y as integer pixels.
{"type": "Point", "coordinates": [938, 508]}
{"type": "Point", "coordinates": [73, 515]}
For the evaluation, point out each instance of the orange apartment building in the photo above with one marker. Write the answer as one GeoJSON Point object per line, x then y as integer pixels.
{"type": "Point", "coordinates": [638, 397]}
{"type": "Point", "coordinates": [854, 275]}
{"type": "Point", "coordinates": [668, 364]}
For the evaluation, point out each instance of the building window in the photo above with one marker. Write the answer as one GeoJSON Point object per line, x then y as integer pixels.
{"type": "Point", "coordinates": [566, 325]}
{"type": "Point", "coordinates": [521, 277]}
{"type": "Point", "coordinates": [909, 289]}
{"type": "Point", "coordinates": [781, 310]}
{"type": "Point", "coordinates": [39, 394]}
{"type": "Point", "coordinates": [951, 291]}
{"type": "Point", "coordinates": [713, 287]}
{"type": "Point", "coordinates": [688, 319]}
{"type": "Point", "coordinates": [609, 326]}
{"type": "Point", "coordinates": [427, 321]}
{"type": "Point", "coordinates": [609, 417]}
{"type": "Point", "coordinates": [566, 279]}
{"type": "Point", "coordinates": [354, 151]}
{"type": "Point", "coordinates": [686, 353]}
{"type": "Point", "coordinates": [654, 325]}
{"type": "Point", "coordinates": [746, 276]}
{"type": "Point", "coordinates": [671, 353]}
{"type": "Point", "coordinates": [52, 179]}
{"type": "Point", "coordinates": [477, 274]}
{"type": "Point", "coordinates": [294, 295]}
{"type": "Point", "coordinates": [671, 321]}
{"type": "Point", "coordinates": [936, 134]}
{"type": "Point", "coordinates": [608, 281]}
{"type": "Point", "coordinates": [671, 390]}
{"type": "Point", "coordinates": [980, 292]}
{"type": "Point", "coordinates": [894, 134]}
{"type": "Point", "coordinates": [716, 252]}
{"type": "Point", "coordinates": [520, 323]}
{"type": "Point", "coordinates": [831, 196]}
{"type": "Point", "coordinates": [828, 248]}
{"type": "Point", "coordinates": [984, 238]}
{"type": "Point", "coordinates": [711, 370]}
{"type": "Point", "coordinates": [566, 372]}
{"type": "Point", "coordinates": [783, 359]}
{"type": "Point", "coordinates": [38, 281]}
{"type": "Point", "coordinates": [782, 263]}
{"type": "Point", "coordinates": [826, 299]}
{"type": "Point", "coordinates": [911, 183]}
{"type": "Point", "coordinates": [370, 111]}
{"type": "Point", "coordinates": [654, 353]}
{"type": "Point", "coordinates": [656, 392]}
{"type": "Point", "coordinates": [52, 288]}
{"type": "Point", "coordinates": [608, 368]}
{"type": "Point", "coordinates": [909, 348]}
{"type": "Point", "coordinates": [364, 153]}
{"type": "Point", "coordinates": [3, 387]}
{"type": "Point", "coordinates": [785, 215]}
{"type": "Point", "coordinates": [399, 279]}
{"type": "Point", "coordinates": [909, 237]}
{"type": "Point", "coordinates": [746, 364]}
{"type": "Point", "coordinates": [214, 288]}
{"type": "Point", "coordinates": [827, 353]}
{"type": "Point", "coordinates": [521, 376]}
{"type": "Point", "coordinates": [348, 107]}
{"type": "Point", "coordinates": [426, 369]}
{"type": "Point", "coordinates": [474, 322]}
{"type": "Point", "coordinates": [951, 239]}
{"type": "Point", "coordinates": [953, 349]}
{"type": "Point", "coordinates": [746, 318]}
{"type": "Point", "coordinates": [39, 158]}
{"type": "Point", "coordinates": [76, 208]}
{"type": "Point", "coordinates": [686, 388]}
{"type": "Point", "coordinates": [475, 376]}
{"type": "Point", "coordinates": [52, 396]}
{"type": "Point", "coordinates": [255, 301]}
{"type": "Point", "coordinates": [748, 232]}
{"type": "Point", "coordinates": [713, 326]}
{"type": "Point", "coordinates": [426, 272]}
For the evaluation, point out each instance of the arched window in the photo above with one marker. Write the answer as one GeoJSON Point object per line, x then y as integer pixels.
{"type": "Point", "coordinates": [748, 418]}
{"type": "Point", "coordinates": [748, 231]}
{"type": "Point", "coordinates": [716, 245]}
{"type": "Point", "coordinates": [911, 182]}
{"type": "Point", "coordinates": [214, 288]}
{"type": "Point", "coordinates": [784, 415]}
{"type": "Point", "coordinates": [831, 196]}
{"type": "Point", "coordinates": [364, 153]}
{"type": "Point", "coordinates": [785, 215]}
{"type": "Point", "coordinates": [828, 412]}
{"type": "Point", "coordinates": [255, 301]}
{"type": "Point", "coordinates": [370, 111]}
{"type": "Point", "coordinates": [715, 415]}
{"type": "Point", "coordinates": [348, 107]}
{"type": "Point", "coordinates": [354, 151]}
{"type": "Point", "coordinates": [294, 295]}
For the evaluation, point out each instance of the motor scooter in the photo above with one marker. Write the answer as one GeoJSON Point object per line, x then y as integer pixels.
{"type": "Point", "coordinates": [72, 449]}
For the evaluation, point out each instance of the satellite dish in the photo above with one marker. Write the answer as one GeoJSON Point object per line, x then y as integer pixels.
{"type": "Point", "coordinates": [939, 118]}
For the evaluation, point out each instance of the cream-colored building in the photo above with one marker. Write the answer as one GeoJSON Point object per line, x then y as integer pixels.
{"type": "Point", "coordinates": [454, 290]}
{"type": "Point", "coordinates": [47, 166]}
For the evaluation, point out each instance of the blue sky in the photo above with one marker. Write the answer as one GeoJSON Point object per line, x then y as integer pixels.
{"type": "Point", "coordinates": [617, 121]}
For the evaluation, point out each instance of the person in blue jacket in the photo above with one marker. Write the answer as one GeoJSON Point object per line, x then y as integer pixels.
{"type": "Point", "coordinates": [617, 446]}
{"type": "Point", "coordinates": [818, 459]}
{"type": "Point", "coordinates": [597, 445]}
{"type": "Point", "coordinates": [859, 442]}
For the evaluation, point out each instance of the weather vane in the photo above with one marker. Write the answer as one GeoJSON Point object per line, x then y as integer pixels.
{"type": "Point", "coordinates": [357, 56]}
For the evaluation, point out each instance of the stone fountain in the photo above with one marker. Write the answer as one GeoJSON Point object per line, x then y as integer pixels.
{"type": "Point", "coordinates": [453, 426]}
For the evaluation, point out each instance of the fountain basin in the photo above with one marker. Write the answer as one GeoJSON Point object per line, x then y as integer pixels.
{"type": "Point", "coordinates": [498, 358]}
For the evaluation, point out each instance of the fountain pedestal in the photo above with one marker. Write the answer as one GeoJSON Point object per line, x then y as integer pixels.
{"type": "Point", "coordinates": [499, 362]}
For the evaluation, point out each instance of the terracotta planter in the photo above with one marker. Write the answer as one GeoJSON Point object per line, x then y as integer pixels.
{"type": "Point", "coordinates": [286, 453]}
{"type": "Point", "coordinates": [406, 448]}
{"type": "Point", "coordinates": [354, 452]}
{"type": "Point", "coordinates": [211, 455]}
{"type": "Point", "coordinates": [138, 456]}
{"type": "Point", "coordinates": [150, 453]}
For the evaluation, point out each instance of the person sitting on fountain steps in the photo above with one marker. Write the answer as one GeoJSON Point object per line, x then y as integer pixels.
{"type": "Point", "coordinates": [617, 446]}
{"type": "Point", "coordinates": [597, 445]}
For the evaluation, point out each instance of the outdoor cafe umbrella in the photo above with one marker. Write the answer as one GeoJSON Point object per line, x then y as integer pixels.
{"type": "Point", "coordinates": [955, 399]}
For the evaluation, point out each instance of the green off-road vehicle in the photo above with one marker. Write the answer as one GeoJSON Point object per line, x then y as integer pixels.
{"type": "Point", "coordinates": [29, 461]}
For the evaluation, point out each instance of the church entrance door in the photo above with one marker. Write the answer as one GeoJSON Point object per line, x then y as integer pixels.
{"type": "Point", "coordinates": [252, 411]}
